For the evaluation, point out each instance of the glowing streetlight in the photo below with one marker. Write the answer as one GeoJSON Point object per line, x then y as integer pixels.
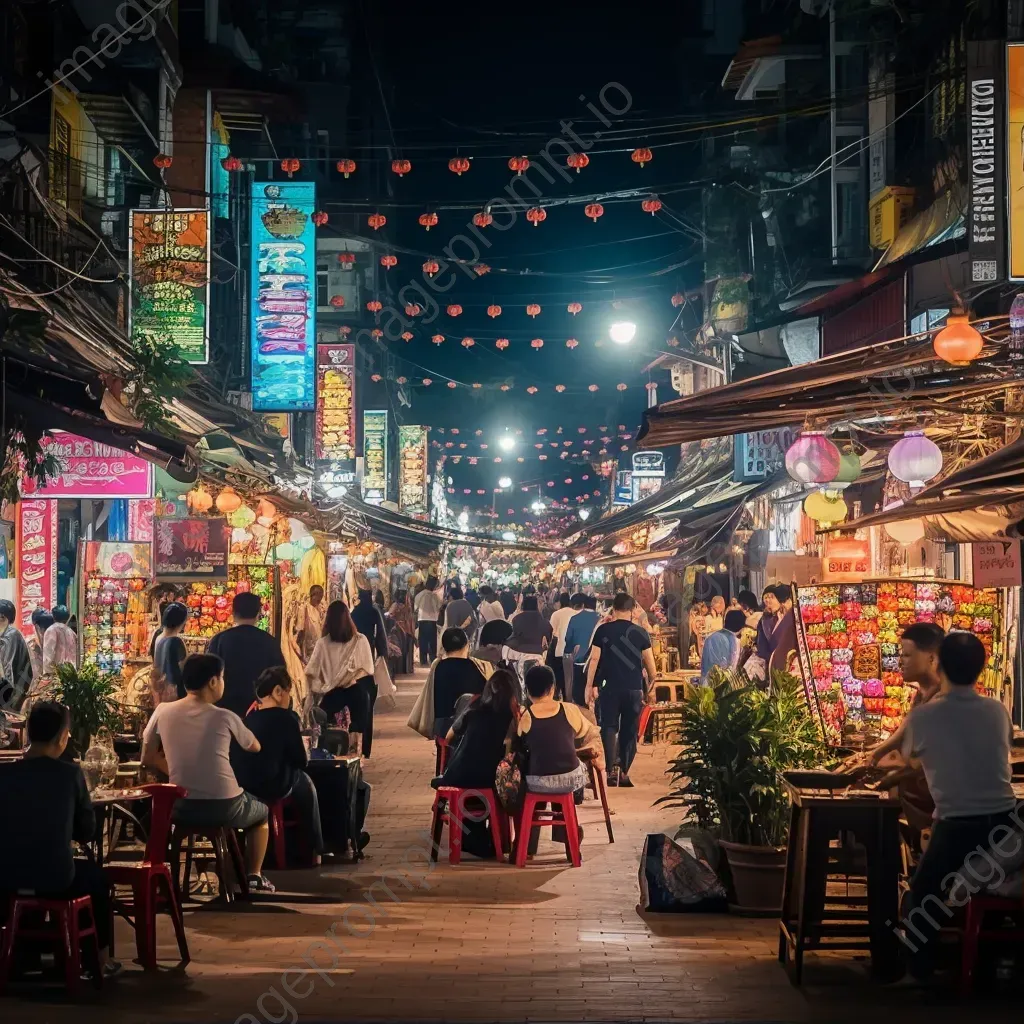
{"type": "Point", "coordinates": [507, 443]}
{"type": "Point", "coordinates": [463, 519]}
{"type": "Point", "coordinates": [505, 482]}
{"type": "Point", "coordinates": [538, 506]}
{"type": "Point", "coordinates": [622, 332]}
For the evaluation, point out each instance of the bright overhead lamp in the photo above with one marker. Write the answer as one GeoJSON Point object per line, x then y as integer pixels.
{"type": "Point", "coordinates": [622, 332]}
{"type": "Point", "coordinates": [509, 536]}
{"type": "Point", "coordinates": [507, 443]}
{"type": "Point", "coordinates": [504, 482]}
{"type": "Point", "coordinates": [538, 506]}
{"type": "Point", "coordinates": [584, 514]}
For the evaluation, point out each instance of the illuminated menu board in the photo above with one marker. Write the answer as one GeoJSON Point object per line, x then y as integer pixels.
{"type": "Point", "coordinates": [335, 404]}
{"type": "Point", "coordinates": [375, 455]}
{"type": "Point", "coordinates": [412, 470]}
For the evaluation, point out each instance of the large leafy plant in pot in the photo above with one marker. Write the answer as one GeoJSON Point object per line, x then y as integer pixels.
{"type": "Point", "coordinates": [737, 740]}
{"type": "Point", "coordinates": [91, 697]}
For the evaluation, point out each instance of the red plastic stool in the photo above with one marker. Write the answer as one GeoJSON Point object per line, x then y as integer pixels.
{"type": "Point", "coordinates": [450, 809]}
{"type": "Point", "coordinates": [601, 793]}
{"type": "Point", "coordinates": [227, 855]}
{"type": "Point", "coordinates": [278, 822]}
{"type": "Point", "coordinates": [645, 717]}
{"type": "Point", "coordinates": [70, 921]}
{"type": "Point", "coordinates": [561, 812]}
{"type": "Point", "coordinates": [441, 756]}
{"type": "Point", "coordinates": [974, 932]}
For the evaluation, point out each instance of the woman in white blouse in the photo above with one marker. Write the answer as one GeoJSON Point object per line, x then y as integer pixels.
{"type": "Point", "coordinates": [340, 669]}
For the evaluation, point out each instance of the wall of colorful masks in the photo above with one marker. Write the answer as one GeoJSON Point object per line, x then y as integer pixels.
{"type": "Point", "coordinates": [851, 642]}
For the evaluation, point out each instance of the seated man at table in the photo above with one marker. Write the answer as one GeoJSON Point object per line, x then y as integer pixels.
{"type": "Point", "coordinates": [35, 853]}
{"type": "Point", "coordinates": [196, 738]}
{"type": "Point", "coordinates": [962, 741]}
{"type": "Point", "coordinates": [276, 771]}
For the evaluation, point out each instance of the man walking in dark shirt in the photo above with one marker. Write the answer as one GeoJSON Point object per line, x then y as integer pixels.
{"type": "Point", "coordinates": [247, 651]}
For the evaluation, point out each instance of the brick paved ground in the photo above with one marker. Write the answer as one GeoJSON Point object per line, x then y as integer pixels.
{"type": "Point", "coordinates": [482, 941]}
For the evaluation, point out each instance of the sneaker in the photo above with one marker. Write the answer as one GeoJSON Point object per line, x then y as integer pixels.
{"type": "Point", "coordinates": [260, 883]}
{"type": "Point", "coordinates": [624, 781]}
{"type": "Point", "coordinates": [111, 969]}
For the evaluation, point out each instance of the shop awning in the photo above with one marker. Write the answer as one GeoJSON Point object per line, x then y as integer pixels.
{"type": "Point", "coordinates": [641, 558]}
{"type": "Point", "coordinates": [941, 222]}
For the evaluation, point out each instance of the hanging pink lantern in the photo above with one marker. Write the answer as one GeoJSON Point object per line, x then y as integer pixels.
{"type": "Point", "coordinates": [812, 458]}
{"type": "Point", "coordinates": [915, 459]}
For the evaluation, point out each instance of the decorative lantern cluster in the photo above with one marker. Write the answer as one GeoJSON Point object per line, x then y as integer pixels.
{"type": "Point", "coordinates": [199, 499]}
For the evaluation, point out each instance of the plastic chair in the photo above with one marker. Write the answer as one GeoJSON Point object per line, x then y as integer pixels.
{"type": "Point", "coordinates": [153, 889]}
{"type": "Point", "coordinates": [441, 758]}
{"type": "Point", "coordinates": [974, 932]}
{"type": "Point", "coordinates": [450, 809]}
{"type": "Point", "coordinates": [65, 924]}
{"type": "Point", "coordinates": [561, 812]}
{"type": "Point", "coordinates": [601, 793]}
{"type": "Point", "coordinates": [645, 717]}
{"type": "Point", "coordinates": [278, 823]}
{"type": "Point", "coordinates": [225, 851]}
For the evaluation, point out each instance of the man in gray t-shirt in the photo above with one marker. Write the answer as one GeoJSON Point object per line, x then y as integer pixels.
{"type": "Point", "coordinates": [459, 612]}
{"type": "Point", "coordinates": [962, 741]}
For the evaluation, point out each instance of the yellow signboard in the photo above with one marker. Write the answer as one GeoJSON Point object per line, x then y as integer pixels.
{"type": "Point", "coordinates": [1015, 155]}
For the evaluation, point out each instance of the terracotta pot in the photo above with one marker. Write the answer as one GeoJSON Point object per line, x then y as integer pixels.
{"type": "Point", "coordinates": [757, 873]}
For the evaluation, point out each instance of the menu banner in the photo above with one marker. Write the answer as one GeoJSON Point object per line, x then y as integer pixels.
{"type": "Point", "coordinates": [413, 496]}
{"type": "Point", "coordinates": [375, 455]}
{"type": "Point", "coordinates": [35, 559]}
{"type": "Point", "coordinates": [169, 268]}
{"type": "Point", "coordinates": [283, 296]}
{"type": "Point", "coordinates": [118, 559]}
{"type": "Point", "coordinates": [335, 436]}
{"type": "Point", "coordinates": [91, 469]}
{"type": "Point", "coordinates": [191, 548]}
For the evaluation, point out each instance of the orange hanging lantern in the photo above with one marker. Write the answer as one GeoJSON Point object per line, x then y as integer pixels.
{"type": "Point", "coordinates": [537, 343]}
{"type": "Point", "coordinates": [493, 311]}
{"type": "Point", "coordinates": [428, 220]}
{"type": "Point", "coordinates": [345, 331]}
{"type": "Point", "coordinates": [531, 390]}
{"type": "Point", "coordinates": [468, 342]}
{"type": "Point", "coordinates": [574, 308]}
{"type": "Point", "coordinates": [231, 163]}
{"type": "Point", "coordinates": [678, 299]}
{"type": "Point", "coordinates": [651, 205]}
{"type": "Point", "coordinates": [480, 269]}
{"type": "Point", "coordinates": [376, 378]}
{"type": "Point", "coordinates": [437, 339]}
{"type": "Point", "coordinates": [518, 164]}
{"type": "Point", "coordinates": [536, 214]}
{"type": "Point", "coordinates": [559, 388]}
{"type": "Point", "coordinates": [532, 309]}
{"type": "Point", "coordinates": [401, 167]}
{"type": "Point", "coordinates": [163, 161]}
{"type": "Point", "coordinates": [642, 156]}
{"type": "Point", "coordinates": [374, 305]}
{"type": "Point", "coordinates": [346, 259]}
{"type": "Point", "coordinates": [389, 261]}
{"type": "Point", "coordinates": [482, 219]}
{"type": "Point", "coordinates": [593, 211]}
{"type": "Point", "coordinates": [319, 218]}
{"type": "Point", "coordinates": [199, 499]}
{"type": "Point", "coordinates": [290, 166]}
{"type": "Point", "coordinates": [376, 221]}
{"type": "Point", "coordinates": [430, 268]}
{"type": "Point", "coordinates": [504, 387]}
{"type": "Point", "coordinates": [571, 343]}
{"type": "Point", "coordinates": [501, 344]}
{"type": "Point", "coordinates": [958, 342]}
{"type": "Point", "coordinates": [407, 336]}
{"type": "Point", "coordinates": [346, 167]}
{"type": "Point", "coordinates": [458, 165]}
{"type": "Point", "coordinates": [337, 301]}
{"type": "Point", "coordinates": [413, 309]}
{"type": "Point", "coordinates": [454, 309]}
{"type": "Point", "coordinates": [577, 161]}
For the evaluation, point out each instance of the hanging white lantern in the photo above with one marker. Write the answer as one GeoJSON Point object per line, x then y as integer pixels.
{"type": "Point", "coordinates": [915, 459]}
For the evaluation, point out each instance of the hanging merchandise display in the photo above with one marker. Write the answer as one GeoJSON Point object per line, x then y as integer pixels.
{"type": "Point", "coordinates": [209, 604]}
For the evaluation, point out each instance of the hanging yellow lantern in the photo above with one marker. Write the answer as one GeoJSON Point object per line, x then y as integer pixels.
{"type": "Point", "coordinates": [228, 500]}
{"type": "Point", "coordinates": [199, 499]}
{"type": "Point", "coordinates": [825, 508]}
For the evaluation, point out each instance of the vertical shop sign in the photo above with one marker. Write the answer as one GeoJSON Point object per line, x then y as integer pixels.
{"type": "Point", "coordinates": [36, 564]}
{"type": "Point", "coordinates": [986, 183]}
{"type": "Point", "coordinates": [375, 455]}
{"type": "Point", "coordinates": [283, 293]}
{"type": "Point", "coordinates": [335, 437]}
{"type": "Point", "coordinates": [140, 519]}
{"type": "Point", "coordinates": [413, 496]}
{"type": "Point", "coordinates": [1015, 157]}
{"type": "Point", "coordinates": [169, 268]}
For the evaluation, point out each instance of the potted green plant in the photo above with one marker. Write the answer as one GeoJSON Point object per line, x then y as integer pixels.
{"type": "Point", "coordinates": [91, 697]}
{"type": "Point", "coordinates": [737, 740]}
{"type": "Point", "coordinates": [729, 304]}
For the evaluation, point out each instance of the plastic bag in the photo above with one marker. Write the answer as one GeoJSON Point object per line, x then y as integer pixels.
{"type": "Point", "coordinates": [675, 881]}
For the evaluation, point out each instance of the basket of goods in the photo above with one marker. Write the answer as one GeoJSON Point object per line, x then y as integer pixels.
{"type": "Point", "coordinates": [812, 613]}
{"type": "Point", "coordinates": [873, 705]}
{"type": "Point", "coordinates": [842, 656]}
{"type": "Point", "coordinates": [838, 640]}
{"type": "Point", "coordinates": [828, 597]}
{"type": "Point", "coordinates": [816, 643]}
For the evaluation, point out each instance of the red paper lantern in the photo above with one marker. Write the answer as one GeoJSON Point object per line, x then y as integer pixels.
{"type": "Point", "coordinates": [518, 164]}
{"type": "Point", "coordinates": [346, 167]}
{"type": "Point", "coordinates": [536, 214]}
{"type": "Point", "coordinates": [505, 387]}
{"type": "Point", "coordinates": [337, 301]}
{"type": "Point", "coordinates": [537, 343]}
{"type": "Point", "coordinates": [621, 387]}
{"type": "Point", "coordinates": [592, 387]}
{"type": "Point", "coordinates": [451, 384]}
{"type": "Point", "coordinates": [454, 309]}
{"type": "Point", "coordinates": [376, 221]}
{"type": "Point", "coordinates": [376, 378]}
{"type": "Point", "coordinates": [430, 268]}
{"type": "Point", "coordinates": [651, 205]}
{"type": "Point", "coordinates": [501, 344]}
{"type": "Point", "coordinates": [437, 339]}
{"type": "Point", "coordinates": [551, 483]}
{"type": "Point", "coordinates": [571, 343]}
{"type": "Point", "coordinates": [593, 211]}
{"type": "Point", "coordinates": [458, 165]}
{"type": "Point", "coordinates": [577, 161]}
{"type": "Point", "coordinates": [678, 299]}
{"type": "Point", "coordinates": [480, 269]}
{"type": "Point", "coordinates": [290, 165]}
{"type": "Point", "coordinates": [346, 259]}
{"type": "Point", "coordinates": [428, 220]}
{"type": "Point", "coordinates": [427, 382]}
{"type": "Point", "coordinates": [401, 167]}
{"type": "Point", "coordinates": [389, 261]}
{"type": "Point", "coordinates": [374, 305]}
{"type": "Point", "coordinates": [413, 309]}
{"type": "Point", "coordinates": [231, 163]}
{"type": "Point", "coordinates": [531, 390]}
{"type": "Point", "coordinates": [474, 386]}
{"type": "Point", "coordinates": [319, 218]}
{"type": "Point", "coordinates": [532, 309]}
{"type": "Point", "coordinates": [376, 333]}
{"type": "Point", "coordinates": [407, 336]}
{"type": "Point", "coordinates": [493, 311]}
{"type": "Point", "coordinates": [468, 342]}
{"type": "Point", "coordinates": [574, 307]}
{"type": "Point", "coordinates": [164, 160]}
{"type": "Point", "coordinates": [642, 156]}
{"type": "Point", "coordinates": [482, 219]}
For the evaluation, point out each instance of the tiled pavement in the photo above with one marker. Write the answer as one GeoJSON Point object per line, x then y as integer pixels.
{"type": "Point", "coordinates": [480, 941]}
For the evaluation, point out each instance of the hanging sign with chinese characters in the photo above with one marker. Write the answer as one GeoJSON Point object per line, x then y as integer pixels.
{"type": "Point", "coordinates": [91, 469]}
{"type": "Point", "coordinates": [335, 405]}
{"type": "Point", "coordinates": [412, 470]}
{"type": "Point", "coordinates": [191, 548]}
{"type": "Point", "coordinates": [36, 559]}
{"type": "Point", "coordinates": [375, 455]}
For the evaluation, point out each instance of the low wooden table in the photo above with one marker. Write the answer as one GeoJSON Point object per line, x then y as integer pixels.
{"type": "Point", "coordinates": [812, 918]}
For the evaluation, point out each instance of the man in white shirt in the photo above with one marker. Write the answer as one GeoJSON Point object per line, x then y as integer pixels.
{"type": "Point", "coordinates": [195, 736]}
{"type": "Point", "coordinates": [556, 649]}
{"type": "Point", "coordinates": [427, 605]}
{"type": "Point", "coordinates": [962, 741]}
